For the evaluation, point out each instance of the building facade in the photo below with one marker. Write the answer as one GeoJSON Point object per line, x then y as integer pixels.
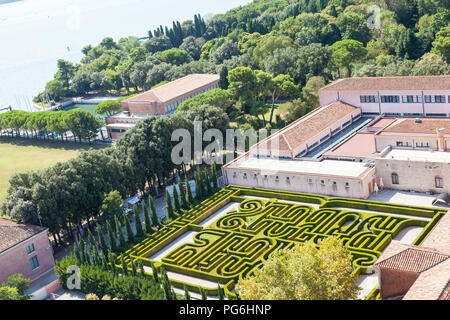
{"type": "Point", "coordinates": [427, 96]}
{"type": "Point", "coordinates": [24, 249]}
{"type": "Point", "coordinates": [160, 101]}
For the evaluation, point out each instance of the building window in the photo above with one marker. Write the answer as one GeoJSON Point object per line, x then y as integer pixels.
{"type": "Point", "coordinates": [435, 99]}
{"type": "Point", "coordinates": [334, 184]}
{"type": "Point", "coordinates": [288, 180]}
{"type": "Point", "coordinates": [322, 182]}
{"type": "Point", "coordinates": [439, 182]}
{"type": "Point", "coordinates": [234, 175]}
{"type": "Point", "coordinates": [368, 99]}
{"type": "Point", "coordinates": [255, 176]}
{"type": "Point", "coordinates": [347, 185]}
{"type": "Point", "coordinates": [310, 181]}
{"type": "Point", "coordinates": [412, 99]}
{"type": "Point", "coordinates": [422, 145]}
{"type": "Point", "coordinates": [245, 175]}
{"type": "Point", "coordinates": [277, 178]}
{"type": "Point", "coordinates": [265, 177]}
{"type": "Point", "coordinates": [30, 249]}
{"type": "Point", "coordinates": [34, 262]}
{"type": "Point", "coordinates": [390, 99]}
{"type": "Point", "coordinates": [395, 179]}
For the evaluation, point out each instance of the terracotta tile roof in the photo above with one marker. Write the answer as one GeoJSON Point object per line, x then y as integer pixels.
{"type": "Point", "coordinates": [391, 83]}
{"type": "Point", "coordinates": [428, 126]}
{"type": "Point", "coordinates": [431, 284]}
{"type": "Point", "coordinates": [12, 233]}
{"type": "Point", "coordinates": [174, 89]}
{"type": "Point", "coordinates": [439, 238]}
{"type": "Point", "coordinates": [413, 260]}
{"type": "Point", "coordinates": [446, 293]}
{"type": "Point", "coordinates": [302, 130]}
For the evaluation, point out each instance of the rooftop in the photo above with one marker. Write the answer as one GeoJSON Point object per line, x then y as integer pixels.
{"type": "Point", "coordinates": [360, 145]}
{"type": "Point", "coordinates": [424, 125]}
{"type": "Point", "coordinates": [418, 155]}
{"type": "Point", "coordinates": [12, 233]}
{"type": "Point", "coordinates": [302, 130]}
{"type": "Point", "coordinates": [391, 83]}
{"type": "Point", "coordinates": [174, 89]}
{"type": "Point", "coordinates": [325, 167]}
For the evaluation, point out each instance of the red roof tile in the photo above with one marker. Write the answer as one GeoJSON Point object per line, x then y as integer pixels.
{"type": "Point", "coordinates": [177, 88]}
{"type": "Point", "coordinates": [391, 83]}
{"type": "Point", "coordinates": [12, 233]}
{"type": "Point", "coordinates": [413, 260]}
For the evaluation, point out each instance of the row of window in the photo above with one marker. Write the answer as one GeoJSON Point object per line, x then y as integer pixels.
{"type": "Point", "coordinates": [173, 106]}
{"type": "Point", "coordinates": [438, 181]}
{"type": "Point", "coordinates": [418, 144]}
{"type": "Point", "coordinates": [288, 180]}
{"type": "Point", "coordinates": [405, 99]}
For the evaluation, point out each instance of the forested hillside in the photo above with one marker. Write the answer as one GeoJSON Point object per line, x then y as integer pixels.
{"type": "Point", "coordinates": [301, 39]}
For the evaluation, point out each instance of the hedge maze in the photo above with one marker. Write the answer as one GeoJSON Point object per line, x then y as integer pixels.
{"type": "Point", "coordinates": [239, 242]}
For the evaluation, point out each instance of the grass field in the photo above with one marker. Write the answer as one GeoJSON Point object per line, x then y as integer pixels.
{"type": "Point", "coordinates": [22, 155]}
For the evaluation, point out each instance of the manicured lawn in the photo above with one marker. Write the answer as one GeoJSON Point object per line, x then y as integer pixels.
{"type": "Point", "coordinates": [22, 155]}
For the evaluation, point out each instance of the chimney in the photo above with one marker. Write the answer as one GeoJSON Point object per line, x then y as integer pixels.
{"type": "Point", "coordinates": [441, 140]}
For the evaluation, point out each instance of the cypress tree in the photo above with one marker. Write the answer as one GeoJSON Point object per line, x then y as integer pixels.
{"type": "Point", "coordinates": [133, 266]}
{"type": "Point", "coordinates": [223, 82]}
{"type": "Point", "coordinates": [111, 237]}
{"type": "Point", "coordinates": [124, 265]}
{"type": "Point", "coordinates": [95, 256]}
{"type": "Point", "coordinates": [203, 294]}
{"type": "Point", "coordinates": [169, 206]}
{"type": "Point", "coordinates": [148, 224]}
{"type": "Point", "coordinates": [105, 261]}
{"type": "Point", "coordinates": [84, 251]}
{"type": "Point", "coordinates": [214, 176]}
{"type": "Point", "coordinates": [190, 198]}
{"type": "Point", "coordinates": [138, 222]}
{"type": "Point", "coordinates": [112, 261]}
{"type": "Point", "coordinates": [120, 233]}
{"type": "Point", "coordinates": [101, 238]}
{"type": "Point", "coordinates": [207, 183]}
{"type": "Point", "coordinates": [76, 253]}
{"type": "Point", "coordinates": [166, 285]}
{"type": "Point", "coordinates": [130, 234]}
{"type": "Point", "coordinates": [198, 187]}
{"type": "Point", "coordinates": [154, 216]}
{"type": "Point", "coordinates": [155, 272]}
{"type": "Point", "coordinates": [183, 201]}
{"type": "Point", "coordinates": [91, 239]}
{"type": "Point", "coordinates": [220, 292]}
{"type": "Point", "coordinates": [176, 200]}
{"type": "Point", "coordinates": [187, 296]}
{"type": "Point", "coordinates": [141, 268]}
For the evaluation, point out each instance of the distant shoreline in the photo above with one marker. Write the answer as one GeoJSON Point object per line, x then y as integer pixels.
{"type": "Point", "coordinates": [8, 1]}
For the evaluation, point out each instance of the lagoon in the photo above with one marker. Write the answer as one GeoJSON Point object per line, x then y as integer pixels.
{"type": "Point", "coordinates": [36, 33]}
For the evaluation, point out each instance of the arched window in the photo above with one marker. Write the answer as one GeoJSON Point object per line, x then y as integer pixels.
{"type": "Point", "coordinates": [439, 182]}
{"type": "Point", "coordinates": [395, 178]}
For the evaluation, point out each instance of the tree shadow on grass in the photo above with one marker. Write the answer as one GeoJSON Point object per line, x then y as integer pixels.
{"type": "Point", "coordinates": [50, 144]}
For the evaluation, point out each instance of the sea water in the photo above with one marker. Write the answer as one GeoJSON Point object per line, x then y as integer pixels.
{"type": "Point", "coordinates": [34, 34]}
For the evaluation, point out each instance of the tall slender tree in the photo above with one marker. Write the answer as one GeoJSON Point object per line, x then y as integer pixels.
{"type": "Point", "coordinates": [111, 237]}
{"type": "Point", "coordinates": [133, 266]}
{"type": "Point", "coordinates": [154, 272]}
{"type": "Point", "coordinates": [190, 198]}
{"type": "Point", "coordinates": [112, 260]}
{"type": "Point", "coordinates": [154, 216]}
{"type": "Point", "coordinates": [187, 296]}
{"type": "Point", "coordinates": [138, 223]}
{"type": "Point", "coordinates": [176, 200]}
{"type": "Point", "coordinates": [147, 222]}
{"type": "Point", "coordinates": [101, 238]}
{"type": "Point", "coordinates": [214, 176]}
{"type": "Point", "coordinates": [119, 231]}
{"type": "Point", "coordinates": [124, 265]}
{"type": "Point", "coordinates": [203, 294]}
{"type": "Point", "coordinates": [183, 200]}
{"type": "Point", "coordinates": [130, 234]}
{"type": "Point", "coordinates": [169, 206]}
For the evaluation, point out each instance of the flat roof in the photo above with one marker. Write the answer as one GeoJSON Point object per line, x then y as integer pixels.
{"type": "Point", "coordinates": [120, 125]}
{"type": "Point", "coordinates": [391, 83]}
{"type": "Point", "coordinates": [383, 122]}
{"type": "Point", "coordinates": [325, 167]}
{"type": "Point", "coordinates": [360, 145]}
{"type": "Point", "coordinates": [418, 155]}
